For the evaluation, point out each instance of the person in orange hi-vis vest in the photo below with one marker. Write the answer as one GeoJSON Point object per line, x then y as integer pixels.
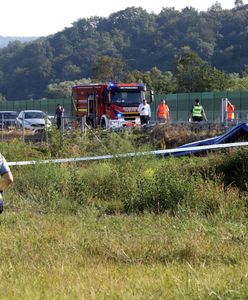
{"type": "Point", "coordinates": [230, 111]}
{"type": "Point", "coordinates": [163, 112]}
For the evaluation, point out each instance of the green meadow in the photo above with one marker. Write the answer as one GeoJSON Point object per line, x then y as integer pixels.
{"type": "Point", "coordinates": [136, 228]}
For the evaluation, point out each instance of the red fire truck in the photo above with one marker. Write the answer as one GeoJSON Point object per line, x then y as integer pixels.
{"type": "Point", "coordinates": [110, 105]}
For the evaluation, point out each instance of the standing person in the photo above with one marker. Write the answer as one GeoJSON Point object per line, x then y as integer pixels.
{"type": "Point", "coordinates": [197, 112]}
{"type": "Point", "coordinates": [59, 113]}
{"type": "Point", "coordinates": [145, 112]}
{"type": "Point", "coordinates": [163, 112]}
{"type": "Point", "coordinates": [230, 111]}
{"type": "Point", "coordinates": [6, 180]}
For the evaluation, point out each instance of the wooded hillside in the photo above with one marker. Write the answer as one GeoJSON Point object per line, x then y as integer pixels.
{"type": "Point", "coordinates": [138, 39]}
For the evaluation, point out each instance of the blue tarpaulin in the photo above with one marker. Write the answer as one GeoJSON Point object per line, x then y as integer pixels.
{"type": "Point", "coordinates": [232, 135]}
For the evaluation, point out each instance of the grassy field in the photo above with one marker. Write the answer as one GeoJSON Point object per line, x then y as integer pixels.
{"type": "Point", "coordinates": [85, 256]}
{"type": "Point", "coordinates": [143, 228]}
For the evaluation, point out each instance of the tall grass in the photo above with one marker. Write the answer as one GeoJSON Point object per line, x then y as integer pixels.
{"type": "Point", "coordinates": [135, 185]}
{"type": "Point", "coordinates": [138, 228]}
{"type": "Point", "coordinates": [84, 256]}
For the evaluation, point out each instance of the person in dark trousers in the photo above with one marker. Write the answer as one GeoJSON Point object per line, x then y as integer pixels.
{"type": "Point", "coordinates": [163, 112]}
{"type": "Point", "coordinates": [197, 112]}
{"type": "Point", "coordinates": [145, 112]}
{"type": "Point", "coordinates": [6, 179]}
{"type": "Point", "coordinates": [59, 113]}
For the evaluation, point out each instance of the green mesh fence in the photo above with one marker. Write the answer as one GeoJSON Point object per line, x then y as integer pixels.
{"type": "Point", "coordinates": [46, 105]}
{"type": "Point", "coordinates": [179, 104]}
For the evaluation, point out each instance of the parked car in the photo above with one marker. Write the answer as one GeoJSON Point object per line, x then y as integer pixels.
{"type": "Point", "coordinates": [32, 120]}
{"type": "Point", "coordinates": [8, 118]}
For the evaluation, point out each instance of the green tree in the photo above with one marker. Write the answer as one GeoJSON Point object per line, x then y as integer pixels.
{"type": "Point", "coordinates": [189, 71]}
{"type": "Point", "coordinates": [245, 71]}
{"type": "Point", "coordinates": [238, 83]}
{"type": "Point", "coordinates": [238, 3]}
{"type": "Point", "coordinates": [215, 7]}
{"type": "Point", "coordinates": [195, 75]}
{"type": "Point", "coordinates": [155, 79]}
{"type": "Point", "coordinates": [128, 40]}
{"type": "Point", "coordinates": [215, 80]}
{"type": "Point", "coordinates": [109, 68]}
{"type": "Point", "coordinates": [63, 89]}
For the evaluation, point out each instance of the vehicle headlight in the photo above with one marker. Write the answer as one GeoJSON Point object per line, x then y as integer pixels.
{"type": "Point", "coordinates": [118, 114]}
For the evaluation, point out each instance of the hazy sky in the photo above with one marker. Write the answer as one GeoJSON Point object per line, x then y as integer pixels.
{"type": "Point", "coordinates": [44, 17]}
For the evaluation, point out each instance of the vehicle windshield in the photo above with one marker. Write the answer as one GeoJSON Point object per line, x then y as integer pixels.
{"type": "Point", "coordinates": [8, 115]}
{"type": "Point", "coordinates": [124, 98]}
{"type": "Point", "coordinates": [34, 115]}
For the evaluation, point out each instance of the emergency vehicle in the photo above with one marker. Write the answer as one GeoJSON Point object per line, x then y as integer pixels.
{"type": "Point", "coordinates": [109, 105]}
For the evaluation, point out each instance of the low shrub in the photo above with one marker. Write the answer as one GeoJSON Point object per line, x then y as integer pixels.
{"type": "Point", "coordinates": [42, 184]}
{"type": "Point", "coordinates": [162, 189]}
{"type": "Point", "coordinates": [234, 169]}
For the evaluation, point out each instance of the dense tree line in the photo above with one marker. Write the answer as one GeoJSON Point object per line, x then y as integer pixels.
{"type": "Point", "coordinates": [173, 51]}
{"type": "Point", "coordinates": [4, 40]}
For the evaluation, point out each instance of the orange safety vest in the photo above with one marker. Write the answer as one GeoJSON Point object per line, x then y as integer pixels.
{"type": "Point", "coordinates": [163, 111]}
{"type": "Point", "coordinates": [230, 112]}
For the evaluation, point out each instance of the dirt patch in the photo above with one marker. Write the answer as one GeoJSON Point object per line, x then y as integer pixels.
{"type": "Point", "coordinates": [168, 136]}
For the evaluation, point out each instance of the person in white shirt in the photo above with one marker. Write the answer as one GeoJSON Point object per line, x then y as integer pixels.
{"type": "Point", "coordinates": [145, 112]}
{"type": "Point", "coordinates": [6, 179]}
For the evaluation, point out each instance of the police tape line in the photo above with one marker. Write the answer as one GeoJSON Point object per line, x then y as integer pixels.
{"type": "Point", "coordinates": [154, 152]}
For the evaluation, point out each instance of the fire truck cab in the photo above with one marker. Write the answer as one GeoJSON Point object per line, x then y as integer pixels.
{"type": "Point", "coordinates": [109, 105]}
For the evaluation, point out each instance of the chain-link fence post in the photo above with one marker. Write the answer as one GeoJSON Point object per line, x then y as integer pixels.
{"type": "Point", "coordinates": [83, 129]}
{"type": "Point", "coordinates": [63, 124]}
{"type": "Point", "coordinates": [46, 129]}
{"type": "Point", "coordinates": [2, 125]}
{"type": "Point", "coordinates": [237, 118]}
{"type": "Point", "coordinates": [23, 128]}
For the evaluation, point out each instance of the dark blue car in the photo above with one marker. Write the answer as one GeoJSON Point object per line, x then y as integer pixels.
{"type": "Point", "coordinates": [8, 119]}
